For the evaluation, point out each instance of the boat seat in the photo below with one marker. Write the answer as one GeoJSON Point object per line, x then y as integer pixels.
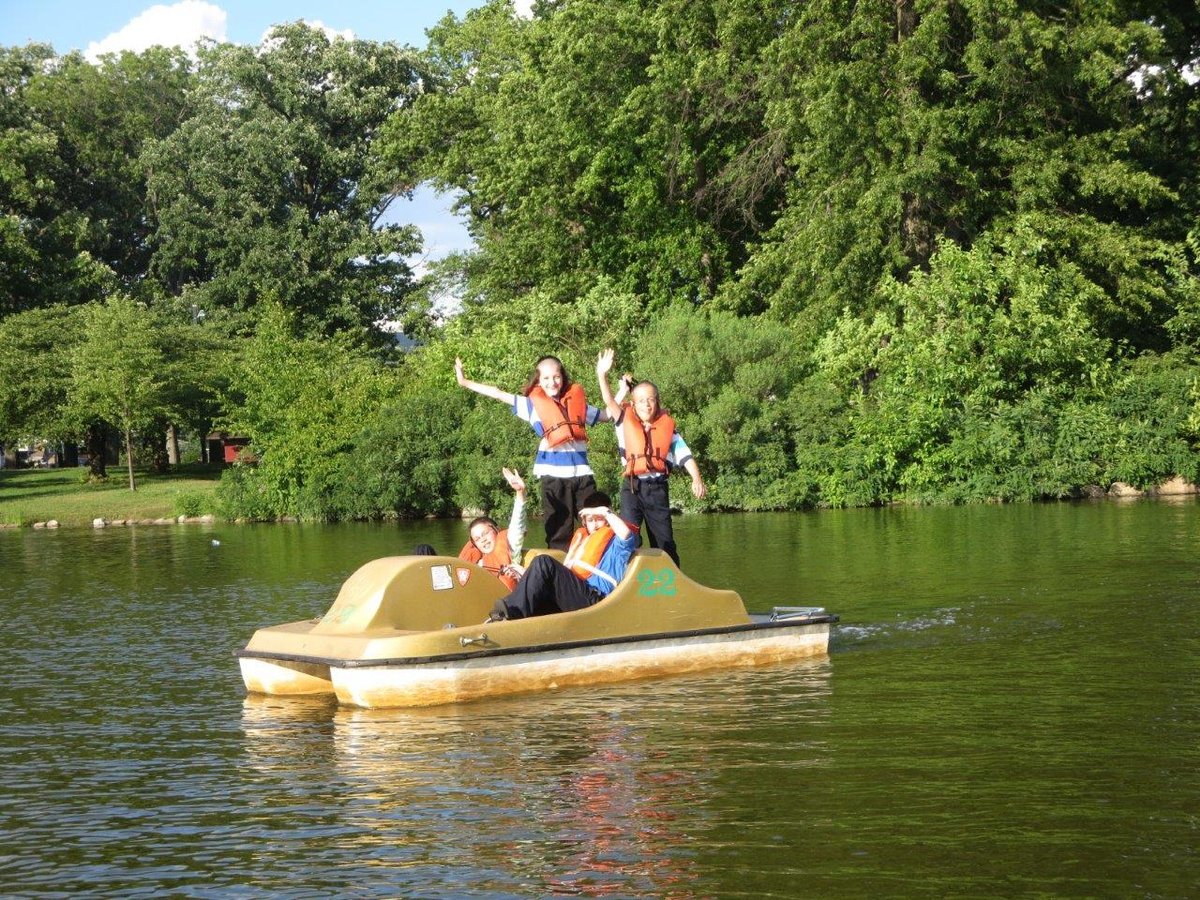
{"type": "Point", "coordinates": [411, 593]}
{"type": "Point", "coordinates": [534, 552]}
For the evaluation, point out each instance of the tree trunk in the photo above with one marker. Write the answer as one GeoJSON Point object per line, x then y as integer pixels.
{"type": "Point", "coordinates": [172, 445]}
{"type": "Point", "coordinates": [906, 19]}
{"type": "Point", "coordinates": [154, 443]}
{"type": "Point", "coordinates": [97, 448]}
{"type": "Point", "coordinates": [916, 232]}
{"type": "Point", "coordinates": [129, 457]}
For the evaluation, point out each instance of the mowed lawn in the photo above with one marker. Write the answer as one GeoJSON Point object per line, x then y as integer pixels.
{"type": "Point", "coordinates": [39, 495]}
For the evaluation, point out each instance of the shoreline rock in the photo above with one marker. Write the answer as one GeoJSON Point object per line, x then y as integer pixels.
{"type": "Point", "coordinates": [1175, 487]}
{"type": "Point", "coordinates": [1122, 491]}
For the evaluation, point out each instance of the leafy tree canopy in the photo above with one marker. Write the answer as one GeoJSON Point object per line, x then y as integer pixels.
{"type": "Point", "coordinates": [44, 251]}
{"type": "Point", "coordinates": [116, 371]}
{"type": "Point", "coordinates": [272, 186]}
{"type": "Point", "coordinates": [606, 138]}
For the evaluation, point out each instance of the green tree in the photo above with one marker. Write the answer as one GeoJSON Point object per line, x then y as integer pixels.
{"type": "Point", "coordinates": [915, 124]}
{"type": "Point", "coordinates": [408, 460]}
{"type": "Point", "coordinates": [303, 401]}
{"type": "Point", "coordinates": [602, 139]}
{"type": "Point", "coordinates": [102, 116]}
{"type": "Point", "coordinates": [34, 395]}
{"type": "Point", "coordinates": [44, 253]}
{"type": "Point", "coordinates": [116, 369]}
{"type": "Point", "coordinates": [272, 187]}
{"type": "Point", "coordinates": [970, 387]}
{"type": "Point", "coordinates": [726, 381]}
{"type": "Point", "coordinates": [1154, 432]}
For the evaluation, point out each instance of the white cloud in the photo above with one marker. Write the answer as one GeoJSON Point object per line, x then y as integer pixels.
{"type": "Point", "coordinates": [523, 8]}
{"type": "Point", "coordinates": [178, 25]}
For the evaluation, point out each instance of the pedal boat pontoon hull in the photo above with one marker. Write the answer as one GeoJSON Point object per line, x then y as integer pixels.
{"type": "Point", "coordinates": [404, 631]}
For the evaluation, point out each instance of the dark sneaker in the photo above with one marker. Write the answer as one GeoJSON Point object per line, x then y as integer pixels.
{"type": "Point", "coordinates": [499, 613]}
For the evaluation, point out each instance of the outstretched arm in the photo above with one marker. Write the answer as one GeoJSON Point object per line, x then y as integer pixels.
{"type": "Point", "coordinates": [486, 390]}
{"type": "Point", "coordinates": [699, 490]}
{"type": "Point", "coordinates": [604, 364]}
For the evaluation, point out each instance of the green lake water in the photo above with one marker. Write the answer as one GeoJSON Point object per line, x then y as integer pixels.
{"type": "Point", "coordinates": [1010, 708]}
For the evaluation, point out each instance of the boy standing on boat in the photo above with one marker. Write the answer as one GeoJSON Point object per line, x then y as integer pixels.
{"type": "Point", "coordinates": [650, 448]}
{"type": "Point", "coordinates": [596, 561]}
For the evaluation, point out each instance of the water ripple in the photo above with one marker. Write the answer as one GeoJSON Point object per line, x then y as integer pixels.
{"type": "Point", "coordinates": [1008, 709]}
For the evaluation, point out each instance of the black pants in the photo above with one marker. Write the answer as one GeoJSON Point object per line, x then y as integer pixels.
{"type": "Point", "coordinates": [646, 500]}
{"type": "Point", "coordinates": [561, 501]}
{"type": "Point", "coordinates": [548, 587]}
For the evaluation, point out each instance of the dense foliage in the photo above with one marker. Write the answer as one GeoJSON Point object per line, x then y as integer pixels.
{"type": "Point", "coordinates": [922, 250]}
{"type": "Point", "coordinates": [934, 251]}
{"type": "Point", "coordinates": [271, 186]}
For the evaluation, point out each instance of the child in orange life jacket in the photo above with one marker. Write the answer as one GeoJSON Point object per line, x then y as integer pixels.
{"type": "Point", "coordinates": [499, 551]}
{"type": "Point", "coordinates": [557, 410]}
{"type": "Point", "coordinates": [595, 564]}
{"type": "Point", "coordinates": [650, 447]}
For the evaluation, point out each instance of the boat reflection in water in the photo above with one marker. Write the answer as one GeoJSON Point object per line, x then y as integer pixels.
{"type": "Point", "coordinates": [403, 632]}
{"type": "Point", "coordinates": [592, 791]}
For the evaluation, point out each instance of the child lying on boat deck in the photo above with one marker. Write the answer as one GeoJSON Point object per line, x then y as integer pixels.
{"type": "Point", "coordinates": [596, 561]}
{"type": "Point", "coordinates": [494, 549]}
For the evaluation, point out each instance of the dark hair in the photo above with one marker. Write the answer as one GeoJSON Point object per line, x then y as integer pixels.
{"type": "Point", "coordinates": [482, 520]}
{"type": "Point", "coordinates": [533, 378]}
{"type": "Point", "coordinates": [594, 499]}
{"type": "Point", "coordinates": [650, 384]}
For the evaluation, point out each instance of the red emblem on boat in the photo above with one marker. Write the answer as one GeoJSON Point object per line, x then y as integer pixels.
{"type": "Point", "coordinates": [464, 575]}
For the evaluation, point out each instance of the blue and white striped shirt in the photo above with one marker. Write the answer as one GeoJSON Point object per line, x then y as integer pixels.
{"type": "Point", "coordinates": [569, 459]}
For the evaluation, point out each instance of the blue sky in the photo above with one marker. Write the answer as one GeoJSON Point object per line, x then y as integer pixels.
{"type": "Point", "coordinates": [95, 26]}
{"type": "Point", "coordinates": [74, 25]}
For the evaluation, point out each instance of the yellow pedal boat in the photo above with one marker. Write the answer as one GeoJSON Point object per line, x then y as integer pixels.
{"type": "Point", "coordinates": [405, 631]}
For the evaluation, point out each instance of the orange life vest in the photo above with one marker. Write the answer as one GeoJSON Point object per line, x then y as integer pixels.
{"type": "Point", "coordinates": [586, 551]}
{"type": "Point", "coordinates": [563, 418]}
{"type": "Point", "coordinates": [646, 449]}
{"type": "Point", "coordinates": [493, 562]}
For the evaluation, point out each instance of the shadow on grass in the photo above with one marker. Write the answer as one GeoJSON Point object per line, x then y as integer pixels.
{"type": "Point", "coordinates": [33, 483]}
{"type": "Point", "coordinates": [66, 495]}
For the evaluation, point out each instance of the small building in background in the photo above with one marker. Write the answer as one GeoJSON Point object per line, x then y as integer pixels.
{"type": "Point", "coordinates": [228, 448]}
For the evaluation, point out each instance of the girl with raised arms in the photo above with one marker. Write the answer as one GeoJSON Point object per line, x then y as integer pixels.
{"type": "Point", "coordinates": [557, 410]}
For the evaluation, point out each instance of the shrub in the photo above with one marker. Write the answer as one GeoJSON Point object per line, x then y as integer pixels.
{"type": "Point", "coordinates": [190, 503]}
{"type": "Point", "coordinates": [1153, 436]}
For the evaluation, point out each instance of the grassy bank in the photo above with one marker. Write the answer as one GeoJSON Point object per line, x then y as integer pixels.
{"type": "Point", "coordinates": [39, 495]}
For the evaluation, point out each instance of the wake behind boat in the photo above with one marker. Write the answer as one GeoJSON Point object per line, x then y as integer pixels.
{"type": "Point", "coordinates": [404, 631]}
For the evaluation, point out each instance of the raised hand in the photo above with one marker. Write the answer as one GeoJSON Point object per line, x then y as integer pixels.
{"type": "Point", "coordinates": [514, 479]}
{"type": "Point", "coordinates": [604, 362]}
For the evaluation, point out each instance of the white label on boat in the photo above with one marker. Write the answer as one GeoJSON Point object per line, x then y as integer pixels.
{"type": "Point", "coordinates": [441, 579]}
